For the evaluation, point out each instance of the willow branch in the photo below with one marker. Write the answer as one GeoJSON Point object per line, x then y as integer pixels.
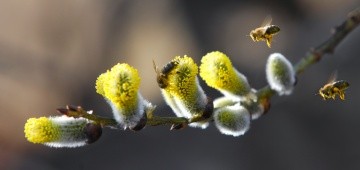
{"type": "Point", "coordinates": [78, 111]}
{"type": "Point", "coordinates": [314, 55]}
{"type": "Point", "coordinates": [157, 120]}
{"type": "Point", "coordinates": [264, 94]}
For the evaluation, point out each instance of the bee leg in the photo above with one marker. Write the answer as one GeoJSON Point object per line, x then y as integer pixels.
{"type": "Point", "coordinates": [332, 95]}
{"type": "Point", "coordinates": [268, 41]}
{"type": "Point", "coordinates": [342, 95]}
{"type": "Point", "coordinates": [323, 96]}
{"type": "Point", "coordinates": [336, 91]}
{"type": "Point", "coordinates": [253, 38]}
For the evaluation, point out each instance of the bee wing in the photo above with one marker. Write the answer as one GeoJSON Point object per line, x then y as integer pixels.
{"type": "Point", "coordinates": [267, 21]}
{"type": "Point", "coordinates": [332, 77]}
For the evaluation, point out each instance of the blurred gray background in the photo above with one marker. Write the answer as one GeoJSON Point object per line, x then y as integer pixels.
{"type": "Point", "coordinates": [51, 53]}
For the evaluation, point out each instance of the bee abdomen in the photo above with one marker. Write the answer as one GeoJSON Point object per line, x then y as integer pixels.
{"type": "Point", "coordinates": [168, 67]}
{"type": "Point", "coordinates": [272, 29]}
{"type": "Point", "coordinates": [341, 84]}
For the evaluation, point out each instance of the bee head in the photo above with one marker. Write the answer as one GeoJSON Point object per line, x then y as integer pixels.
{"type": "Point", "coordinates": [252, 35]}
{"type": "Point", "coordinates": [160, 78]}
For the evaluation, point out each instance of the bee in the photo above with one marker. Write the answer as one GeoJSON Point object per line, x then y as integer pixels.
{"type": "Point", "coordinates": [265, 32]}
{"type": "Point", "coordinates": [161, 76]}
{"type": "Point", "coordinates": [334, 87]}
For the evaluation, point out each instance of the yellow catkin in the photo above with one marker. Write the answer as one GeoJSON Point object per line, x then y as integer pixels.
{"type": "Point", "coordinates": [182, 79]}
{"type": "Point", "coordinates": [120, 85]}
{"type": "Point", "coordinates": [100, 84]}
{"type": "Point", "coordinates": [41, 130]}
{"type": "Point", "coordinates": [217, 71]}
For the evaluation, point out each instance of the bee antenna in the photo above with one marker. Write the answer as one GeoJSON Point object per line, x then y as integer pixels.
{"type": "Point", "coordinates": [155, 66]}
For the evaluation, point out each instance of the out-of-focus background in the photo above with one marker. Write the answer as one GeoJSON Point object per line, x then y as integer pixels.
{"type": "Point", "coordinates": [51, 53]}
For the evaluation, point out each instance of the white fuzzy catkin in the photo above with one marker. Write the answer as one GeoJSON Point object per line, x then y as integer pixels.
{"type": "Point", "coordinates": [280, 74]}
{"type": "Point", "coordinates": [181, 89]}
{"type": "Point", "coordinates": [133, 119]}
{"type": "Point", "coordinates": [71, 132]}
{"type": "Point", "coordinates": [181, 109]}
{"type": "Point", "coordinates": [232, 120]}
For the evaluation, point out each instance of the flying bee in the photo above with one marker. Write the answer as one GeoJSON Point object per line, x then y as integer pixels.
{"type": "Point", "coordinates": [161, 76]}
{"type": "Point", "coordinates": [265, 32]}
{"type": "Point", "coordinates": [333, 88]}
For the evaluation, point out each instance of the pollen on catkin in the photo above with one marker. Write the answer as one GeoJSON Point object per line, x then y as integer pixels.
{"type": "Point", "coordinates": [183, 92]}
{"type": "Point", "coordinates": [41, 130]}
{"type": "Point", "coordinates": [217, 71]}
{"type": "Point", "coordinates": [232, 120]}
{"type": "Point", "coordinates": [280, 74]}
{"type": "Point", "coordinates": [120, 87]}
{"type": "Point", "coordinates": [60, 131]}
